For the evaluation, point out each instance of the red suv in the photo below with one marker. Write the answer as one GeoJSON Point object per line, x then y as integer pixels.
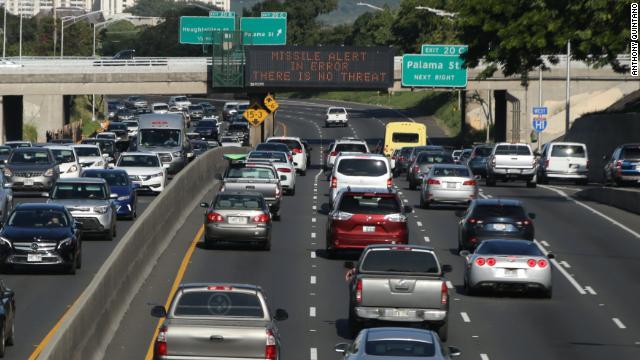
{"type": "Point", "coordinates": [365, 217]}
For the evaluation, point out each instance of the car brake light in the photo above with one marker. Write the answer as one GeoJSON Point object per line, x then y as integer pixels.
{"type": "Point", "coordinates": [474, 221]}
{"type": "Point", "coordinates": [619, 163]}
{"type": "Point", "coordinates": [333, 153]}
{"type": "Point", "coordinates": [542, 263]}
{"type": "Point", "coordinates": [493, 161]}
{"type": "Point", "coordinates": [290, 157]}
{"type": "Point", "coordinates": [546, 163]}
{"type": "Point", "coordinates": [297, 151]}
{"type": "Point", "coordinates": [271, 349]}
{"type": "Point", "coordinates": [531, 263]}
{"type": "Point", "coordinates": [220, 288]}
{"type": "Point", "coordinates": [588, 163]}
{"type": "Point", "coordinates": [480, 261]}
{"type": "Point", "coordinates": [284, 170]}
{"type": "Point", "coordinates": [334, 182]}
{"type": "Point", "coordinates": [416, 168]}
{"type": "Point", "coordinates": [395, 218]}
{"type": "Point", "coordinates": [491, 261]}
{"type": "Point", "coordinates": [341, 216]}
{"type": "Point", "coordinates": [401, 158]}
{"type": "Point", "coordinates": [389, 182]}
{"type": "Point", "coordinates": [473, 240]}
{"type": "Point", "coordinates": [433, 182]}
{"type": "Point", "coordinates": [161, 342]}
{"type": "Point", "coordinates": [262, 218]}
{"type": "Point", "coordinates": [469, 182]}
{"type": "Point", "coordinates": [359, 291]}
{"type": "Point", "coordinates": [444, 293]}
{"type": "Point", "coordinates": [214, 217]}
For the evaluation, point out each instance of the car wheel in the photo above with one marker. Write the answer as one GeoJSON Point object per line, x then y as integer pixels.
{"type": "Point", "coordinates": [292, 191]}
{"type": "Point", "coordinates": [2, 340]}
{"type": "Point", "coordinates": [617, 182]}
{"type": "Point", "coordinates": [79, 260]}
{"type": "Point", "coordinates": [267, 245]}
{"type": "Point", "coordinates": [71, 268]}
{"type": "Point", "coordinates": [115, 230]}
{"type": "Point", "coordinates": [303, 172]}
{"type": "Point", "coordinates": [276, 215]}
{"type": "Point", "coordinates": [11, 339]}
{"type": "Point", "coordinates": [470, 291]}
{"type": "Point", "coordinates": [582, 182]}
{"type": "Point", "coordinates": [443, 331]}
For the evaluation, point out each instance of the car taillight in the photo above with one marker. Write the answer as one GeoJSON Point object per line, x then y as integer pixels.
{"type": "Point", "coordinates": [401, 158]}
{"type": "Point", "coordinates": [334, 182]}
{"type": "Point", "coordinates": [480, 261]}
{"type": "Point", "coordinates": [297, 151]}
{"type": "Point", "coordinates": [546, 163]}
{"type": "Point", "coordinates": [284, 170]}
{"type": "Point", "coordinates": [415, 168]}
{"type": "Point", "coordinates": [271, 349]}
{"type": "Point", "coordinates": [433, 182]}
{"type": "Point", "coordinates": [341, 216]}
{"type": "Point", "coordinates": [290, 157]}
{"type": "Point", "coordinates": [359, 291]}
{"type": "Point", "coordinates": [531, 263]}
{"type": "Point", "coordinates": [542, 263]}
{"type": "Point", "coordinates": [389, 182]}
{"type": "Point", "coordinates": [619, 163]}
{"type": "Point", "coordinates": [262, 218]}
{"type": "Point", "coordinates": [444, 293]}
{"type": "Point", "coordinates": [588, 163]}
{"type": "Point", "coordinates": [215, 217]}
{"type": "Point", "coordinates": [491, 261]}
{"type": "Point", "coordinates": [161, 342]}
{"type": "Point", "coordinates": [469, 182]}
{"type": "Point", "coordinates": [395, 218]}
{"type": "Point", "coordinates": [474, 221]}
{"type": "Point", "coordinates": [333, 153]}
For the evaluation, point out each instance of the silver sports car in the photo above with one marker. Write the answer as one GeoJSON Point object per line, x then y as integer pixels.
{"type": "Point", "coordinates": [498, 264]}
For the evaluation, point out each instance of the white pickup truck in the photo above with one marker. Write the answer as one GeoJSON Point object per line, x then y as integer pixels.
{"type": "Point", "coordinates": [336, 116]}
{"type": "Point", "coordinates": [512, 162]}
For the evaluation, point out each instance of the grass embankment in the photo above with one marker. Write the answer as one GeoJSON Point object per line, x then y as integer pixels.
{"type": "Point", "coordinates": [443, 106]}
{"type": "Point", "coordinates": [81, 111]}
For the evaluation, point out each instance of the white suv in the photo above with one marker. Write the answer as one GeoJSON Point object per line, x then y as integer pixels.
{"type": "Point", "coordinates": [564, 160]}
{"type": "Point", "coordinates": [360, 171]}
{"type": "Point", "coordinates": [336, 116]}
{"type": "Point", "coordinates": [344, 145]}
{"type": "Point", "coordinates": [512, 162]}
{"type": "Point", "coordinates": [181, 102]}
{"type": "Point", "coordinates": [298, 151]}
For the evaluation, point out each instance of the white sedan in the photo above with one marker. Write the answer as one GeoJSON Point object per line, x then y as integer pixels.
{"type": "Point", "coordinates": [145, 169]}
{"type": "Point", "coordinates": [90, 156]}
{"type": "Point", "coordinates": [67, 160]}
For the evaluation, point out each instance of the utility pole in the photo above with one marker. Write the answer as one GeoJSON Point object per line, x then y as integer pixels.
{"type": "Point", "coordinates": [568, 93]}
{"type": "Point", "coordinates": [55, 28]}
{"type": "Point", "coordinates": [539, 102]}
{"type": "Point", "coordinates": [4, 32]}
{"type": "Point", "coordinates": [20, 46]}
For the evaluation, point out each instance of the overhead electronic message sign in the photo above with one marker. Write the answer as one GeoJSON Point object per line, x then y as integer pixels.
{"type": "Point", "coordinates": [325, 67]}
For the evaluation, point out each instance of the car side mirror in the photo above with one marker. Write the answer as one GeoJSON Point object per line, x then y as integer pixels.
{"type": "Point", "coordinates": [111, 165]}
{"type": "Point", "coordinates": [295, 164]}
{"type": "Point", "coordinates": [349, 265]}
{"type": "Point", "coordinates": [105, 156]}
{"type": "Point", "coordinates": [551, 256]}
{"type": "Point", "coordinates": [158, 311]}
{"type": "Point", "coordinates": [459, 213]}
{"type": "Point", "coordinates": [454, 351]}
{"type": "Point", "coordinates": [446, 268]}
{"type": "Point", "coordinates": [408, 209]}
{"type": "Point", "coordinates": [532, 216]}
{"type": "Point", "coordinates": [219, 177]}
{"type": "Point", "coordinates": [109, 159]}
{"type": "Point", "coordinates": [341, 348]}
{"type": "Point", "coordinates": [464, 253]}
{"type": "Point", "coordinates": [280, 315]}
{"type": "Point", "coordinates": [113, 196]}
{"type": "Point", "coordinates": [204, 205]}
{"type": "Point", "coordinates": [536, 153]}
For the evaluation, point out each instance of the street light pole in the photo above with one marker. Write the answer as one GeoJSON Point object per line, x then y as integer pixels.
{"type": "Point", "coordinates": [568, 93]}
{"type": "Point", "coordinates": [94, 40]}
{"type": "Point", "coordinates": [20, 46]}
{"type": "Point", "coordinates": [4, 32]}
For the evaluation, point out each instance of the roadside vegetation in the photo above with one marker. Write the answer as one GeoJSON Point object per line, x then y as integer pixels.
{"type": "Point", "coordinates": [81, 111]}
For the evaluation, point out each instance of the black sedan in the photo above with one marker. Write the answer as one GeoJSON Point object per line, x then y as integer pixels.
{"type": "Point", "coordinates": [38, 234]}
{"type": "Point", "coordinates": [207, 129]}
{"type": "Point", "coordinates": [493, 219]}
{"type": "Point", "coordinates": [7, 317]}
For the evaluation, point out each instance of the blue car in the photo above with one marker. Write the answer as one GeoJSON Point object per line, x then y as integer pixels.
{"type": "Point", "coordinates": [119, 183]}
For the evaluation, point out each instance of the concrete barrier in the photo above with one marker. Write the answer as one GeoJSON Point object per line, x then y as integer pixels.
{"type": "Point", "coordinates": [91, 322]}
{"type": "Point", "coordinates": [626, 199]}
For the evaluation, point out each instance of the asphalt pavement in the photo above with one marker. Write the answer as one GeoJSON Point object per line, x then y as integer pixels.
{"type": "Point", "coordinates": [592, 314]}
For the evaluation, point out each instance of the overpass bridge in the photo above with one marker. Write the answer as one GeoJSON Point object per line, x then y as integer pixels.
{"type": "Point", "coordinates": [40, 84]}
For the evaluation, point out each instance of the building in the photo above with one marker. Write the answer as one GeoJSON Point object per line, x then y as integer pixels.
{"type": "Point", "coordinates": [113, 7]}
{"type": "Point", "coordinates": [30, 8]}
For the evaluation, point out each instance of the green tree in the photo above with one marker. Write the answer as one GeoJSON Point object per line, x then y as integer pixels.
{"type": "Point", "coordinates": [117, 36]}
{"type": "Point", "coordinates": [413, 27]}
{"type": "Point", "coordinates": [374, 28]}
{"type": "Point", "coordinates": [160, 7]}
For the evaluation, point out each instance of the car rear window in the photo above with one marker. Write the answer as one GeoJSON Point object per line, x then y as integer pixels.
{"type": "Point", "coordinates": [87, 151]}
{"type": "Point", "coordinates": [508, 248]}
{"type": "Point", "coordinates": [273, 146]}
{"type": "Point", "coordinates": [362, 167]}
{"type": "Point", "coordinates": [406, 152]}
{"type": "Point", "coordinates": [512, 150]}
{"type": "Point", "coordinates": [238, 202]}
{"type": "Point", "coordinates": [405, 137]}
{"type": "Point", "coordinates": [576, 151]}
{"type": "Point", "coordinates": [218, 303]}
{"type": "Point", "coordinates": [337, 111]}
{"type": "Point", "coordinates": [275, 155]}
{"type": "Point", "coordinates": [351, 148]}
{"type": "Point", "coordinates": [369, 204]}
{"type": "Point", "coordinates": [399, 261]}
{"type": "Point", "coordinates": [291, 144]}
{"type": "Point", "coordinates": [482, 151]}
{"type": "Point", "coordinates": [630, 153]}
{"type": "Point", "coordinates": [430, 158]}
{"type": "Point", "coordinates": [403, 348]}
{"type": "Point", "coordinates": [250, 173]}
{"type": "Point", "coordinates": [507, 211]}
{"type": "Point", "coordinates": [459, 172]}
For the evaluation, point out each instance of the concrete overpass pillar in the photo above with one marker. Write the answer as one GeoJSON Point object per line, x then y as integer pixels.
{"type": "Point", "coordinates": [500, 127]}
{"type": "Point", "coordinates": [2, 138]}
{"type": "Point", "coordinates": [45, 112]}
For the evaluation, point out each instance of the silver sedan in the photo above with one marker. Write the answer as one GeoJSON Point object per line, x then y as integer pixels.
{"type": "Point", "coordinates": [503, 264]}
{"type": "Point", "coordinates": [448, 183]}
{"type": "Point", "coordinates": [396, 343]}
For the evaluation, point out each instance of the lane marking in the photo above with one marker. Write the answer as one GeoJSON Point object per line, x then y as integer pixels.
{"type": "Point", "coordinates": [426, 239]}
{"type": "Point", "coordinates": [313, 219]}
{"type": "Point", "coordinates": [484, 357]}
{"type": "Point", "coordinates": [176, 282]}
{"type": "Point", "coordinates": [313, 235]}
{"type": "Point", "coordinates": [312, 311]}
{"type": "Point", "coordinates": [545, 243]}
{"type": "Point", "coordinates": [590, 290]}
{"type": "Point", "coordinates": [405, 200]}
{"type": "Point", "coordinates": [313, 254]}
{"type": "Point", "coordinates": [619, 323]}
{"type": "Point", "coordinates": [419, 223]}
{"type": "Point", "coordinates": [313, 354]}
{"type": "Point", "coordinates": [489, 196]}
{"type": "Point", "coordinates": [313, 207]}
{"type": "Point", "coordinates": [565, 264]}
{"type": "Point", "coordinates": [562, 270]}
{"type": "Point", "coordinates": [465, 317]}
{"type": "Point", "coordinates": [449, 285]}
{"type": "Point", "coordinates": [312, 279]}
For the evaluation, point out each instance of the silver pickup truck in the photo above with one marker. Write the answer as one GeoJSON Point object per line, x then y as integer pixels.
{"type": "Point", "coordinates": [262, 178]}
{"type": "Point", "coordinates": [218, 321]}
{"type": "Point", "coordinates": [512, 162]}
{"type": "Point", "coordinates": [398, 283]}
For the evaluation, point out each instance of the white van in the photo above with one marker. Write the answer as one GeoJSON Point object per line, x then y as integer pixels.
{"type": "Point", "coordinates": [357, 170]}
{"type": "Point", "coordinates": [564, 161]}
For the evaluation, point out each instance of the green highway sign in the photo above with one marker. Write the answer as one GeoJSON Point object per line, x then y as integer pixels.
{"type": "Point", "coordinates": [222, 14]}
{"type": "Point", "coordinates": [201, 29]}
{"type": "Point", "coordinates": [448, 50]}
{"type": "Point", "coordinates": [264, 30]}
{"type": "Point", "coordinates": [270, 14]}
{"type": "Point", "coordinates": [420, 70]}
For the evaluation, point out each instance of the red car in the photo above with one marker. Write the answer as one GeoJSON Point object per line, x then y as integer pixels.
{"type": "Point", "coordinates": [366, 217]}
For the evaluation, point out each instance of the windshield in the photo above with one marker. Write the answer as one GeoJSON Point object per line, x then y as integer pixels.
{"type": "Point", "coordinates": [29, 157]}
{"type": "Point", "coordinates": [455, 172]}
{"type": "Point", "coordinates": [405, 137]}
{"type": "Point", "coordinates": [499, 247]}
{"type": "Point", "coordinates": [400, 261]}
{"type": "Point", "coordinates": [337, 111]}
{"type": "Point", "coordinates": [351, 148]}
{"type": "Point", "coordinates": [138, 161]}
{"type": "Point", "coordinates": [369, 204]}
{"type": "Point", "coordinates": [79, 191]}
{"type": "Point", "coordinates": [124, 112]}
{"type": "Point", "coordinates": [48, 218]}
{"type": "Point", "coordinates": [507, 211]}
{"type": "Point", "coordinates": [238, 202]}
{"type": "Point", "coordinates": [226, 139]}
{"type": "Point", "coordinates": [131, 123]}
{"type": "Point", "coordinates": [279, 156]}
{"type": "Point", "coordinates": [206, 124]}
{"type": "Point", "coordinates": [87, 151]}
{"type": "Point", "coordinates": [237, 128]}
{"type": "Point", "coordinates": [196, 108]}
{"type": "Point", "coordinates": [576, 151]}
{"type": "Point", "coordinates": [5, 150]}
{"type": "Point", "coordinates": [273, 147]}
{"type": "Point", "coordinates": [63, 156]}
{"type": "Point", "coordinates": [106, 136]}
{"type": "Point", "coordinates": [362, 167]}
{"type": "Point", "coordinates": [512, 150]}
{"type": "Point", "coordinates": [160, 107]}
{"type": "Point", "coordinates": [250, 173]}
{"type": "Point", "coordinates": [119, 126]}
{"type": "Point", "coordinates": [112, 178]}
{"type": "Point", "coordinates": [630, 153]}
{"type": "Point", "coordinates": [403, 348]}
{"type": "Point", "coordinates": [180, 98]}
{"type": "Point", "coordinates": [105, 146]}
{"type": "Point", "coordinates": [218, 303]}
{"type": "Point", "coordinates": [160, 137]}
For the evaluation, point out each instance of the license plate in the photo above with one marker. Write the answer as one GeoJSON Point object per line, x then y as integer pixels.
{"type": "Point", "coordinates": [28, 182]}
{"type": "Point", "coordinates": [499, 227]}
{"type": "Point", "coordinates": [510, 272]}
{"type": "Point", "coordinates": [34, 258]}
{"type": "Point", "coordinates": [368, 229]}
{"type": "Point", "coordinates": [451, 185]}
{"type": "Point", "coordinates": [237, 220]}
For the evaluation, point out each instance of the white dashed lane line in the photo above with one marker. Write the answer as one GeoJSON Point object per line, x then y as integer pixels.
{"type": "Point", "coordinates": [465, 317]}
{"type": "Point", "coordinates": [546, 244]}
{"type": "Point", "coordinates": [565, 264]}
{"type": "Point", "coordinates": [449, 285]}
{"type": "Point", "coordinates": [313, 254]}
{"type": "Point", "coordinates": [426, 239]}
{"type": "Point", "coordinates": [313, 280]}
{"type": "Point", "coordinates": [484, 357]}
{"type": "Point", "coordinates": [590, 290]}
{"type": "Point", "coordinates": [313, 235]}
{"type": "Point", "coordinates": [313, 354]}
{"type": "Point", "coordinates": [313, 219]}
{"type": "Point", "coordinates": [419, 223]}
{"type": "Point", "coordinates": [312, 311]}
{"type": "Point", "coordinates": [619, 323]}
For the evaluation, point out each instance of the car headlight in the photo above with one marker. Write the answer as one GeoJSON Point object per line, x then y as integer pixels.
{"type": "Point", "coordinates": [123, 198]}
{"type": "Point", "coordinates": [177, 154]}
{"type": "Point", "coordinates": [65, 242]}
{"type": "Point", "coordinates": [49, 172]}
{"type": "Point", "coordinates": [101, 209]}
{"type": "Point", "coordinates": [7, 172]}
{"type": "Point", "coordinates": [5, 242]}
{"type": "Point", "coordinates": [73, 168]}
{"type": "Point", "coordinates": [155, 175]}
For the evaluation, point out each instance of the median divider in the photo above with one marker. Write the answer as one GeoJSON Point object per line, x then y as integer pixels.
{"type": "Point", "coordinates": [626, 199]}
{"type": "Point", "coordinates": [88, 326]}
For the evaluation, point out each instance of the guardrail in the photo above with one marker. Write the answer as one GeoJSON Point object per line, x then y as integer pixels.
{"type": "Point", "coordinates": [89, 325]}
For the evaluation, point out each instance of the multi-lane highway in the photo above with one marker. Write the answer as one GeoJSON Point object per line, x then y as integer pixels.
{"type": "Point", "coordinates": [592, 314]}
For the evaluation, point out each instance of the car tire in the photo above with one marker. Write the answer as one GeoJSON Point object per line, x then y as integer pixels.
{"type": "Point", "coordinates": [543, 179]}
{"type": "Point", "coordinates": [79, 260]}
{"type": "Point", "coordinates": [442, 331]}
{"type": "Point", "coordinates": [303, 172]}
{"type": "Point", "coordinates": [71, 268]}
{"type": "Point", "coordinates": [266, 246]}
{"type": "Point", "coordinates": [548, 293]}
{"type": "Point", "coordinates": [582, 182]}
{"type": "Point", "coordinates": [276, 216]}
{"type": "Point", "coordinates": [490, 181]}
{"type": "Point", "coordinates": [2, 340]}
{"type": "Point", "coordinates": [11, 339]}
{"type": "Point", "coordinates": [618, 183]}
{"type": "Point", "coordinates": [470, 291]}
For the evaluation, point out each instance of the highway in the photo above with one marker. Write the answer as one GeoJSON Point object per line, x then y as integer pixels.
{"type": "Point", "coordinates": [592, 314]}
